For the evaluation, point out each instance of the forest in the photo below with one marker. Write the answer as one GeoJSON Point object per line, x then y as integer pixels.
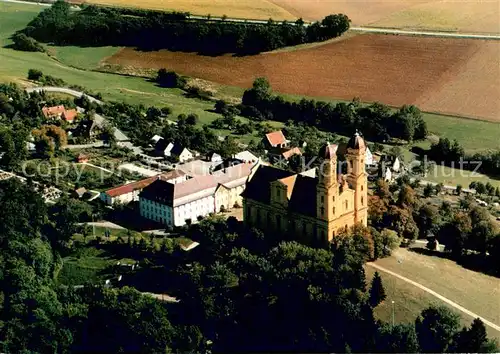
{"type": "Point", "coordinates": [234, 293]}
{"type": "Point", "coordinates": [154, 30]}
{"type": "Point", "coordinates": [377, 122]}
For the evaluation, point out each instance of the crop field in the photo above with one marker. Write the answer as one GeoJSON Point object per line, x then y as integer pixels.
{"type": "Point", "coordinates": [470, 15]}
{"type": "Point", "coordinates": [256, 9]}
{"type": "Point", "coordinates": [459, 76]}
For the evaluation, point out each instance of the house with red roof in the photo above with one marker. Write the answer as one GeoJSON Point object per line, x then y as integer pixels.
{"type": "Point", "coordinates": [60, 112]}
{"type": "Point", "coordinates": [53, 112]}
{"type": "Point", "coordinates": [275, 140]}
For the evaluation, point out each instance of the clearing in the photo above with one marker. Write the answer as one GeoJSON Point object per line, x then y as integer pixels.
{"type": "Point", "coordinates": [466, 16]}
{"type": "Point", "coordinates": [253, 9]}
{"type": "Point", "coordinates": [452, 76]}
{"type": "Point", "coordinates": [475, 291]}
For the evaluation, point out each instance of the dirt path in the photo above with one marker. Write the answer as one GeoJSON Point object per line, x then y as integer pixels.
{"type": "Point", "coordinates": [440, 297]}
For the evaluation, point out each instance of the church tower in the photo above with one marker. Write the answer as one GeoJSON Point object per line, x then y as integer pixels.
{"type": "Point", "coordinates": [357, 177]}
{"type": "Point", "coordinates": [327, 191]}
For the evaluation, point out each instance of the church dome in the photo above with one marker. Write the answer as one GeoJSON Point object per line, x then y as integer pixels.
{"type": "Point", "coordinates": [329, 151]}
{"type": "Point", "coordinates": [356, 142]}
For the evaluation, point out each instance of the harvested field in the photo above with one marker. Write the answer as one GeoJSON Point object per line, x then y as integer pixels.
{"type": "Point", "coordinates": [258, 9]}
{"type": "Point", "coordinates": [459, 76]}
{"type": "Point", "coordinates": [473, 15]}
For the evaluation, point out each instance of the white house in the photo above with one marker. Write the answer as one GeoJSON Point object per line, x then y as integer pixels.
{"type": "Point", "coordinates": [368, 157]}
{"type": "Point", "coordinates": [246, 156]}
{"type": "Point", "coordinates": [396, 164]}
{"type": "Point", "coordinates": [174, 204]}
{"type": "Point", "coordinates": [169, 149]}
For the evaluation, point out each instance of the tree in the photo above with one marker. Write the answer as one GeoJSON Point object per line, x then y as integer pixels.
{"type": "Point", "coordinates": [25, 43]}
{"type": "Point", "coordinates": [427, 219]}
{"type": "Point", "coordinates": [192, 119]}
{"type": "Point", "coordinates": [428, 190]}
{"type": "Point", "coordinates": [436, 328]}
{"type": "Point", "coordinates": [377, 291]}
{"type": "Point", "coordinates": [171, 79]}
{"type": "Point", "coordinates": [480, 188]}
{"type": "Point", "coordinates": [34, 74]}
{"type": "Point", "coordinates": [459, 189]}
{"type": "Point", "coordinates": [400, 338]}
{"type": "Point", "coordinates": [385, 242]}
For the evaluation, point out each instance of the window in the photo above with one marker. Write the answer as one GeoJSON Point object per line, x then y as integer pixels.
{"type": "Point", "coordinates": [322, 211]}
{"type": "Point", "coordinates": [304, 228]}
{"type": "Point", "coordinates": [362, 188]}
{"type": "Point", "coordinates": [278, 193]}
{"type": "Point", "coordinates": [346, 205]}
{"type": "Point", "coordinates": [278, 221]}
{"type": "Point", "coordinates": [333, 210]}
{"type": "Point", "coordinates": [322, 199]}
{"type": "Point", "coordinates": [333, 199]}
{"type": "Point", "coordinates": [362, 201]}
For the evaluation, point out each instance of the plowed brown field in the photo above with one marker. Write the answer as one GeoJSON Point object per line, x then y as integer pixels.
{"type": "Point", "coordinates": [465, 15]}
{"type": "Point", "coordinates": [459, 76]}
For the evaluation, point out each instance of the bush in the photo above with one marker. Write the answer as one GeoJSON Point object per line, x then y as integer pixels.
{"type": "Point", "coordinates": [34, 74]}
{"type": "Point", "coordinates": [26, 44]}
{"type": "Point", "coordinates": [170, 79]}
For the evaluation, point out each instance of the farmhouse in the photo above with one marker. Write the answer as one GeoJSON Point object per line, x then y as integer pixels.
{"type": "Point", "coordinates": [295, 204]}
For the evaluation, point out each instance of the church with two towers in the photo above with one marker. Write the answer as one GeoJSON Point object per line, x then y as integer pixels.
{"type": "Point", "coordinates": [312, 210]}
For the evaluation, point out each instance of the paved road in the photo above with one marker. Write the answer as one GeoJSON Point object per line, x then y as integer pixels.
{"type": "Point", "coordinates": [100, 120]}
{"type": "Point", "coordinates": [442, 298]}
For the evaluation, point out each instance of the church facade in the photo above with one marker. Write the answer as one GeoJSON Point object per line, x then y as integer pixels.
{"type": "Point", "coordinates": [311, 210]}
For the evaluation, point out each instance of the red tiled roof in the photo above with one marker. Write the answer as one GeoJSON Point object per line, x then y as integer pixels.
{"type": "Point", "coordinates": [291, 152]}
{"type": "Point", "coordinates": [276, 138]}
{"type": "Point", "coordinates": [53, 111]}
{"type": "Point", "coordinates": [70, 115]}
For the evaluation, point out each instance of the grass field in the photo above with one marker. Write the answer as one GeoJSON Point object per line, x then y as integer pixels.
{"type": "Point", "coordinates": [409, 301]}
{"type": "Point", "coordinates": [254, 9]}
{"type": "Point", "coordinates": [475, 291]}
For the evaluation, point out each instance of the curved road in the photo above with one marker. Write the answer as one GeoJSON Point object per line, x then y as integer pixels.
{"type": "Point", "coordinates": [440, 297]}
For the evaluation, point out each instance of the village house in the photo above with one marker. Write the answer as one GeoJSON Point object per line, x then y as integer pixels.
{"type": "Point", "coordinates": [278, 147]}
{"type": "Point", "coordinates": [129, 192]}
{"type": "Point", "coordinates": [169, 149]}
{"type": "Point", "coordinates": [176, 204]}
{"type": "Point", "coordinates": [310, 209]}
{"type": "Point", "coordinates": [60, 112]}
{"type": "Point", "coordinates": [275, 140]}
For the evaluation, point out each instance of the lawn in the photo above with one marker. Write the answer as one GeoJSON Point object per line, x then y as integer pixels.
{"type": "Point", "coordinates": [455, 176]}
{"type": "Point", "coordinates": [475, 291]}
{"type": "Point", "coordinates": [409, 301]}
{"type": "Point", "coordinates": [87, 265]}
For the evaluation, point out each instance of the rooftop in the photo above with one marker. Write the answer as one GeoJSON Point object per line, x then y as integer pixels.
{"type": "Point", "coordinates": [276, 138]}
